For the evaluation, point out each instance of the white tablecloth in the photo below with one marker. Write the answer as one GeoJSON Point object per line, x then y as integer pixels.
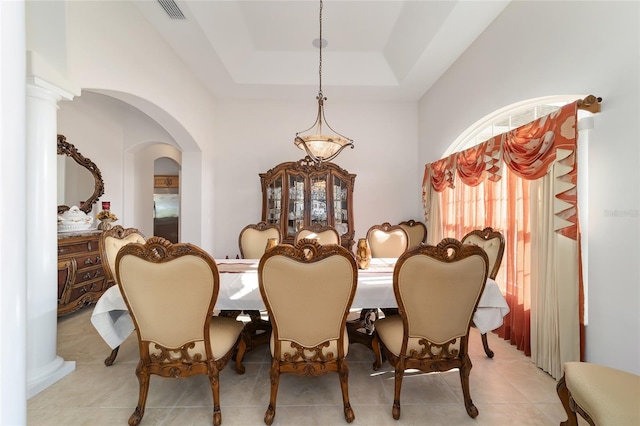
{"type": "Point", "coordinates": [239, 291]}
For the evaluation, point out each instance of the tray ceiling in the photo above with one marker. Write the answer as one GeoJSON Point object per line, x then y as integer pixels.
{"type": "Point", "coordinates": [377, 50]}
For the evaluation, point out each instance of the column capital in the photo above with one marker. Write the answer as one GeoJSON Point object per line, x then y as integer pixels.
{"type": "Point", "coordinates": [35, 82]}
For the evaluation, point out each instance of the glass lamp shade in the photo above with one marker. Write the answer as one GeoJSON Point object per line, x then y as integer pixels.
{"type": "Point", "coordinates": [322, 147]}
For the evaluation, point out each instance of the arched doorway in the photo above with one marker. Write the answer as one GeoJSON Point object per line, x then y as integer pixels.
{"type": "Point", "coordinates": [166, 199]}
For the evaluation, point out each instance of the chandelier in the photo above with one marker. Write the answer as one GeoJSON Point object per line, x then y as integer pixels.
{"type": "Point", "coordinates": [318, 145]}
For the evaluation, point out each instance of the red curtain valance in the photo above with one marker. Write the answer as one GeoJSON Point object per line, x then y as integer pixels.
{"type": "Point", "coordinates": [441, 173]}
{"type": "Point", "coordinates": [529, 151]}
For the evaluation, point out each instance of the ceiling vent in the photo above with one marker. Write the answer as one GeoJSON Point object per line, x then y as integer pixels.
{"type": "Point", "coordinates": [172, 9]}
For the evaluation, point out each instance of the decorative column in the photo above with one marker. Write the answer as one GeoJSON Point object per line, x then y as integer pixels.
{"type": "Point", "coordinates": [13, 273]}
{"type": "Point", "coordinates": [44, 367]}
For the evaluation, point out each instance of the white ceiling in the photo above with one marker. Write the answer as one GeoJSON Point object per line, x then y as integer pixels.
{"type": "Point", "coordinates": [377, 50]}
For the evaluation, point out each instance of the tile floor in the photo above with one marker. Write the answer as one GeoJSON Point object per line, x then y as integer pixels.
{"type": "Point", "coordinates": [507, 390]}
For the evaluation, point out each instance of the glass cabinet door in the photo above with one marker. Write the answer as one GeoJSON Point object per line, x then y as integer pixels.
{"type": "Point", "coordinates": [296, 210]}
{"type": "Point", "coordinates": [304, 194]}
{"type": "Point", "coordinates": [274, 201]}
{"type": "Point", "coordinates": [318, 207]}
{"type": "Point", "coordinates": [340, 205]}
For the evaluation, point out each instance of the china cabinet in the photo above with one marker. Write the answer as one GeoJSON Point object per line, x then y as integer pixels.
{"type": "Point", "coordinates": [300, 194]}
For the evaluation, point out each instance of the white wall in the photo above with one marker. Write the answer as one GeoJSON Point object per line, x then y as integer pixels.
{"type": "Point", "coordinates": [253, 137]}
{"type": "Point", "coordinates": [537, 49]}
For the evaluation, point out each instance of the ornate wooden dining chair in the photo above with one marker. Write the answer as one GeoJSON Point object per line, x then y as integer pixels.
{"type": "Point", "coordinates": [111, 241]}
{"type": "Point", "coordinates": [416, 232]}
{"type": "Point", "coordinates": [253, 239]}
{"type": "Point", "coordinates": [437, 289]}
{"type": "Point", "coordinates": [170, 291]}
{"type": "Point", "coordinates": [292, 285]}
{"type": "Point", "coordinates": [492, 242]}
{"type": "Point", "coordinates": [385, 241]}
{"type": "Point", "coordinates": [252, 243]}
{"type": "Point", "coordinates": [323, 234]}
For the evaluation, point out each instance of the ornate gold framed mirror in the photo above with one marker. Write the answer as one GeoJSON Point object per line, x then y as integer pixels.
{"type": "Point", "coordinates": [69, 150]}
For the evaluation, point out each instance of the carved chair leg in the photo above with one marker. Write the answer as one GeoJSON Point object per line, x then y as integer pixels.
{"type": "Point", "coordinates": [375, 345]}
{"type": "Point", "coordinates": [563, 393]}
{"type": "Point", "coordinates": [274, 374]}
{"type": "Point", "coordinates": [112, 357]}
{"type": "Point", "coordinates": [399, 374]}
{"type": "Point", "coordinates": [241, 350]}
{"type": "Point", "coordinates": [215, 392]}
{"type": "Point", "coordinates": [143, 379]}
{"type": "Point", "coordinates": [343, 374]}
{"type": "Point", "coordinates": [465, 370]}
{"type": "Point", "coordinates": [485, 345]}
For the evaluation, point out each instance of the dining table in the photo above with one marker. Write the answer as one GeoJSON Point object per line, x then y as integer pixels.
{"type": "Point", "coordinates": [239, 291]}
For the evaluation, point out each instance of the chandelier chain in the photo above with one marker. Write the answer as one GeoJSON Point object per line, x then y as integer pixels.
{"type": "Point", "coordinates": [320, 66]}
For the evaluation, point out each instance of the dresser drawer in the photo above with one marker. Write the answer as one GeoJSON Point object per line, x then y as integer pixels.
{"type": "Point", "coordinates": [72, 248]}
{"type": "Point", "coordinates": [90, 288]}
{"type": "Point", "coordinates": [88, 274]}
{"type": "Point", "coordinates": [88, 260]}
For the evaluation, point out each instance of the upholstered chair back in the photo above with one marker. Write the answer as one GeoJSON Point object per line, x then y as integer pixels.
{"type": "Point", "coordinates": [253, 239]}
{"type": "Point", "coordinates": [416, 232]}
{"type": "Point", "coordinates": [387, 240]}
{"type": "Point", "coordinates": [295, 285]}
{"type": "Point", "coordinates": [492, 242]}
{"type": "Point", "coordinates": [161, 287]}
{"type": "Point", "coordinates": [438, 289]}
{"type": "Point", "coordinates": [111, 241]}
{"type": "Point", "coordinates": [324, 235]}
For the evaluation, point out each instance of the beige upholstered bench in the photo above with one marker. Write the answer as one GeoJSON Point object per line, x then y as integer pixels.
{"type": "Point", "coordinates": [602, 395]}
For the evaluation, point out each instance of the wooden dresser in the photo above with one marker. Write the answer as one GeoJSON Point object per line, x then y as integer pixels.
{"type": "Point", "coordinates": [81, 277]}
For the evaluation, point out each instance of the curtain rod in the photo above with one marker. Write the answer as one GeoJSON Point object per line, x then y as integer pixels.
{"type": "Point", "coordinates": [590, 103]}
